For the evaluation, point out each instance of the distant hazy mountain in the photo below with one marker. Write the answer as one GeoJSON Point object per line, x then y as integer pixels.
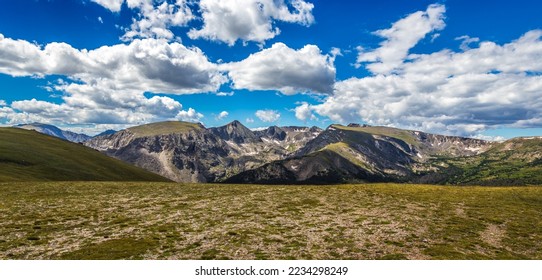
{"type": "Point", "coordinates": [27, 155]}
{"type": "Point", "coordinates": [190, 152]}
{"type": "Point", "coordinates": [55, 131]}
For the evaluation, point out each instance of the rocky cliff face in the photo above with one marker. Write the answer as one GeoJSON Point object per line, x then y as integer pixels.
{"type": "Point", "coordinates": [187, 156]}
{"type": "Point", "coordinates": [185, 152]}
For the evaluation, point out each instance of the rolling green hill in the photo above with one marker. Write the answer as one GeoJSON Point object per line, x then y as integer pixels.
{"type": "Point", "coordinates": [32, 156]}
{"type": "Point", "coordinates": [405, 135]}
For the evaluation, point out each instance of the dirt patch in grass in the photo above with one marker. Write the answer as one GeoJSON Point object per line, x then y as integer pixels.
{"type": "Point", "coordinates": [460, 211]}
{"type": "Point", "coordinates": [493, 235]}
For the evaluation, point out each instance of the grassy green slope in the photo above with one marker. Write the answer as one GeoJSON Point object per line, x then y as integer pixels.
{"type": "Point", "coordinates": [32, 156]}
{"type": "Point", "coordinates": [514, 162]}
{"type": "Point", "coordinates": [167, 127]}
{"type": "Point", "coordinates": [343, 149]}
{"type": "Point", "coordinates": [404, 135]}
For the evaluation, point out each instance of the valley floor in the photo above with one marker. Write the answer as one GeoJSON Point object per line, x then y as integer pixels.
{"type": "Point", "coordinates": [96, 220]}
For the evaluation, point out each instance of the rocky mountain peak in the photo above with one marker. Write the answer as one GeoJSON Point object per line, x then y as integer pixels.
{"type": "Point", "coordinates": [236, 126]}
{"type": "Point", "coordinates": [235, 131]}
{"type": "Point", "coordinates": [235, 123]}
{"type": "Point", "coordinates": [315, 129]}
{"type": "Point", "coordinates": [275, 132]}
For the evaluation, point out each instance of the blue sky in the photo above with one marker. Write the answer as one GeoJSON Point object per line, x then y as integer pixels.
{"type": "Point", "coordinates": [453, 67]}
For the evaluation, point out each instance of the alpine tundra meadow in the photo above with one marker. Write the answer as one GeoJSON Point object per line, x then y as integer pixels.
{"type": "Point", "coordinates": [270, 129]}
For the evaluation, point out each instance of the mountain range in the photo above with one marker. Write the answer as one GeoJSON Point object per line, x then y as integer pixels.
{"type": "Point", "coordinates": [357, 153]}
{"type": "Point", "coordinates": [190, 152]}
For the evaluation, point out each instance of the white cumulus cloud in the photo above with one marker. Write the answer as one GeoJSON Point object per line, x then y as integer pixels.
{"type": "Point", "coordinates": [221, 93]}
{"type": "Point", "coordinates": [400, 38]}
{"type": "Point", "coordinates": [303, 112]}
{"type": "Point", "coordinates": [189, 116]}
{"type": "Point", "coordinates": [248, 20]}
{"type": "Point", "coordinates": [150, 110]}
{"type": "Point", "coordinates": [268, 115]}
{"type": "Point", "coordinates": [149, 65]}
{"type": "Point", "coordinates": [108, 84]}
{"type": "Point", "coordinates": [155, 18]}
{"type": "Point", "coordinates": [112, 5]}
{"type": "Point", "coordinates": [466, 41]}
{"type": "Point", "coordinates": [458, 93]}
{"type": "Point", "coordinates": [222, 115]}
{"type": "Point", "coordinates": [463, 93]}
{"type": "Point", "coordinates": [284, 69]}
{"type": "Point", "coordinates": [223, 20]}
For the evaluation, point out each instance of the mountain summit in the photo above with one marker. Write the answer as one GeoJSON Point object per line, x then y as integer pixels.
{"type": "Point", "coordinates": [236, 132]}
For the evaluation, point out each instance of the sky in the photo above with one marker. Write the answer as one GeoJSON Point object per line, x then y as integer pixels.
{"type": "Point", "coordinates": [454, 67]}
